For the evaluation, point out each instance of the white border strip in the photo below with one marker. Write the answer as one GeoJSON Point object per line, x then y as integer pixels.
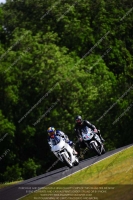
{"type": "Point", "coordinates": [76, 172]}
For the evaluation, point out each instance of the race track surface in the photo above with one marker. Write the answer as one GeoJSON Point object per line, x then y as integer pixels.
{"type": "Point", "coordinates": [20, 190]}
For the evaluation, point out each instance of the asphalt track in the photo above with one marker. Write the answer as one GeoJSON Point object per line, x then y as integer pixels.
{"type": "Point", "coordinates": [20, 190]}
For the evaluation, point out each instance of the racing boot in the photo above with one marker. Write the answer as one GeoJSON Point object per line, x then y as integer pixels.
{"type": "Point", "coordinates": [73, 147]}
{"type": "Point", "coordinates": [75, 152]}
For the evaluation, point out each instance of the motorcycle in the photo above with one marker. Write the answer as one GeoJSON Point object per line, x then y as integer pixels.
{"type": "Point", "coordinates": [92, 141]}
{"type": "Point", "coordinates": [64, 152]}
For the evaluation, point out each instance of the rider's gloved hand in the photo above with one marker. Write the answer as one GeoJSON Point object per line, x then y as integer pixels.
{"type": "Point", "coordinates": [80, 139]}
{"type": "Point", "coordinates": [95, 130]}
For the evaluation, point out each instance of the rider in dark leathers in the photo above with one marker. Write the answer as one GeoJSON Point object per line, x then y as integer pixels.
{"type": "Point", "coordinates": [80, 124]}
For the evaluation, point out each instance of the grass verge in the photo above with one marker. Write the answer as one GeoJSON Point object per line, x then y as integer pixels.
{"type": "Point", "coordinates": [6, 184]}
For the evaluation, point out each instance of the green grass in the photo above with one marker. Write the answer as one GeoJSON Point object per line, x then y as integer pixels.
{"type": "Point", "coordinates": [6, 184]}
{"type": "Point", "coordinates": [110, 179]}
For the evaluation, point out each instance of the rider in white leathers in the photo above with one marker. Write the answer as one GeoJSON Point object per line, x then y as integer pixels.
{"type": "Point", "coordinates": [52, 133]}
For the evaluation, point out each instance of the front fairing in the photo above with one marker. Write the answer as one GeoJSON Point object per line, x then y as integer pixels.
{"type": "Point", "coordinates": [58, 144]}
{"type": "Point", "coordinates": [87, 133]}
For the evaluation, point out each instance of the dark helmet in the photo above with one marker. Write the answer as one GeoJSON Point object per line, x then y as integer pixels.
{"type": "Point", "coordinates": [78, 119]}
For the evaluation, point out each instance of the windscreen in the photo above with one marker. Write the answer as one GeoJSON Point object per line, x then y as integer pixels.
{"type": "Point", "coordinates": [55, 140]}
{"type": "Point", "coordinates": [86, 130]}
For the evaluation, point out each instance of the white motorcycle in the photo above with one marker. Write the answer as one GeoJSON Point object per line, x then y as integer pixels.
{"type": "Point", "coordinates": [92, 141]}
{"type": "Point", "coordinates": [64, 152]}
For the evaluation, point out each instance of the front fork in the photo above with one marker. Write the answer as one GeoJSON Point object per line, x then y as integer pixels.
{"type": "Point", "coordinates": [98, 141]}
{"type": "Point", "coordinates": [66, 155]}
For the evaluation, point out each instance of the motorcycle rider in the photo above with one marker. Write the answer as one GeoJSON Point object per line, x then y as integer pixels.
{"type": "Point", "coordinates": [52, 133]}
{"type": "Point", "coordinates": [80, 124]}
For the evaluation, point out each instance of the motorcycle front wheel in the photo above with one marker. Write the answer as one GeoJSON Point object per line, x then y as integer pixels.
{"type": "Point", "coordinates": [103, 150]}
{"type": "Point", "coordinates": [96, 149]}
{"type": "Point", "coordinates": [76, 162]}
{"type": "Point", "coordinates": [67, 161]}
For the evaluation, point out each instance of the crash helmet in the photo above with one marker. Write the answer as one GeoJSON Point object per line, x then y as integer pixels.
{"type": "Point", "coordinates": [78, 119]}
{"type": "Point", "coordinates": [51, 131]}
